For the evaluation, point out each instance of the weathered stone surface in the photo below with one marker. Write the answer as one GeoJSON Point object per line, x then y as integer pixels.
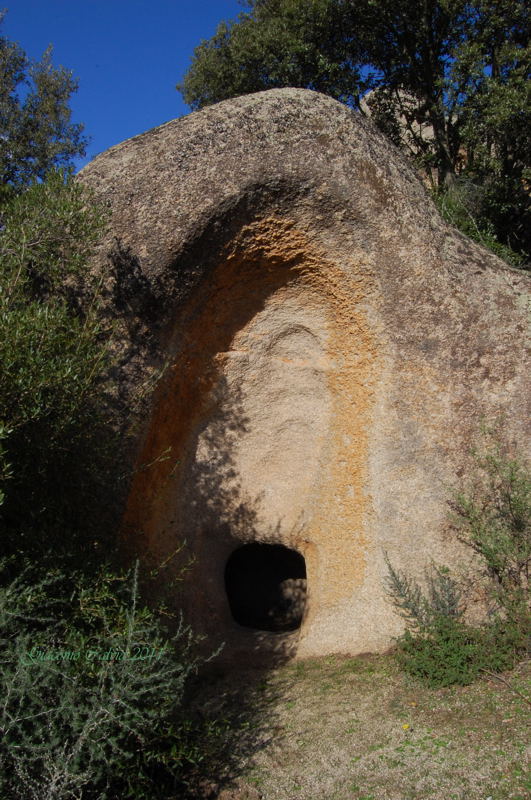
{"type": "Point", "coordinates": [331, 348]}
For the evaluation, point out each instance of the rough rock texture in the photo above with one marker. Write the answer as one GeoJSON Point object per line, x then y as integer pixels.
{"type": "Point", "coordinates": [330, 347]}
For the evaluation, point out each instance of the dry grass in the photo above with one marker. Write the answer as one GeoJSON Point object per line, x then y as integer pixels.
{"type": "Point", "coordinates": [337, 728]}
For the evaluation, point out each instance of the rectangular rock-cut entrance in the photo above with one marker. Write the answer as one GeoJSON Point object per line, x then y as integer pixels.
{"type": "Point", "coordinates": [266, 587]}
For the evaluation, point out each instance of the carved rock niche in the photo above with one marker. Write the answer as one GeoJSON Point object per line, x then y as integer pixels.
{"type": "Point", "coordinates": [251, 408]}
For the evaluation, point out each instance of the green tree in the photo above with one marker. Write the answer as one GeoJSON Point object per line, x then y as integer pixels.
{"type": "Point", "coordinates": [447, 77]}
{"type": "Point", "coordinates": [113, 726]}
{"type": "Point", "coordinates": [52, 344]}
{"type": "Point", "coordinates": [36, 132]}
{"type": "Point", "coordinates": [496, 118]}
{"type": "Point", "coordinates": [53, 349]}
{"type": "Point", "coordinates": [277, 43]}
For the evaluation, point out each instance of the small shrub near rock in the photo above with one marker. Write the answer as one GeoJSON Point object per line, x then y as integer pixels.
{"type": "Point", "coordinates": [492, 516]}
{"type": "Point", "coordinates": [92, 689]}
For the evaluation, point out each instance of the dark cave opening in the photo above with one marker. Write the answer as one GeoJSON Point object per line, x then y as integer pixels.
{"type": "Point", "coordinates": [266, 587]}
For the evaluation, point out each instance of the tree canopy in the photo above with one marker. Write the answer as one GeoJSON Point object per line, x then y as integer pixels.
{"type": "Point", "coordinates": [448, 79]}
{"type": "Point", "coordinates": [36, 132]}
{"type": "Point", "coordinates": [52, 346]}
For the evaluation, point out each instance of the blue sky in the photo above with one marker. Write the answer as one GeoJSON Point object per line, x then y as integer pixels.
{"type": "Point", "coordinates": [127, 55]}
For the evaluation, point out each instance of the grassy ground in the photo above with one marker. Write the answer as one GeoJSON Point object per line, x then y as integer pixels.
{"type": "Point", "coordinates": [337, 728]}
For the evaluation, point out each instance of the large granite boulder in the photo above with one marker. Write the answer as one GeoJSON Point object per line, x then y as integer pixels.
{"type": "Point", "coordinates": [328, 347]}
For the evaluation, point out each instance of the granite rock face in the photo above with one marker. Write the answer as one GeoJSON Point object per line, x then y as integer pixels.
{"type": "Point", "coordinates": [328, 348]}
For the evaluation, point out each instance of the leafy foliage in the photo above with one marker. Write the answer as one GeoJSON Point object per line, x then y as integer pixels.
{"type": "Point", "coordinates": [72, 724]}
{"type": "Point", "coordinates": [445, 79]}
{"type": "Point", "coordinates": [493, 65]}
{"type": "Point", "coordinates": [422, 611]}
{"type": "Point", "coordinates": [456, 653]}
{"type": "Point", "coordinates": [493, 516]}
{"type": "Point", "coordinates": [461, 205]}
{"type": "Point", "coordinates": [438, 646]}
{"type": "Point", "coordinates": [277, 43]}
{"type": "Point", "coordinates": [92, 683]}
{"type": "Point", "coordinates": [36, 133]}
{"type": "Point", "coordinates": [53, 349]}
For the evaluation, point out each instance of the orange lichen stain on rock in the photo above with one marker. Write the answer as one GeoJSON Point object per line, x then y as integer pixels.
{"type": "Point", "coordinates": [340, 525]}
{"type": "Point", "coordinates": [266, 256]}
{"type": "Point", "coordinates": [223, 304]}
